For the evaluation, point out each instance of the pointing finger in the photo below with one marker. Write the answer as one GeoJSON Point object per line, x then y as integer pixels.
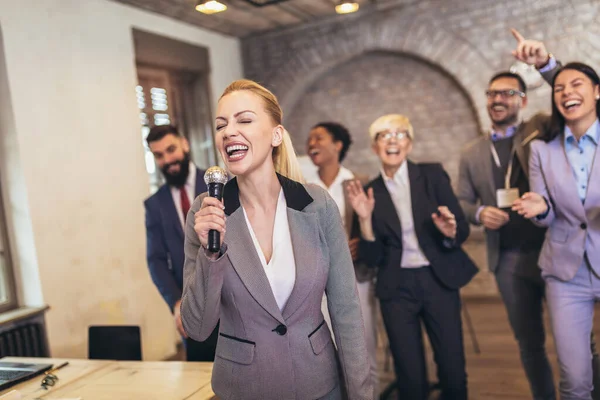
{"type": "Point", "coordinates": [517, 35]}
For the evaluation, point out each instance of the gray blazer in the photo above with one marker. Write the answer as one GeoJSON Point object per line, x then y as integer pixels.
{"type": "Point", "coordinates": [573, 227]}
{"type": "Point", "coordinates": [476, 181]}
{"type": "Point", "coordinates": [262, 352]}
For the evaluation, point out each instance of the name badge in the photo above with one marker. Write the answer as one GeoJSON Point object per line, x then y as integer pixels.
{"type": "Point", "coordinates": [506, 197]}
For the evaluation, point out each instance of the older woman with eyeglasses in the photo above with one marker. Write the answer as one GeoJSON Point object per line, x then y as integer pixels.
{"type": "Point", "coordinates": [413, 236]}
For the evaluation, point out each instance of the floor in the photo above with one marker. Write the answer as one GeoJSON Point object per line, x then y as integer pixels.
{"type": "Point", "coordinates": [495, 372]}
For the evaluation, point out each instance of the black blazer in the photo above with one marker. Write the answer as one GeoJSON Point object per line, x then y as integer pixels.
{"type": "Point", "coordinates": [430, 187]}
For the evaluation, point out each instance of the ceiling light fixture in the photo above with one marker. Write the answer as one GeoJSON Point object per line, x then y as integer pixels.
{"type": "Point", "coordinates": [346, 7]}
{"type": "Point", "coordinates": [210, 6]}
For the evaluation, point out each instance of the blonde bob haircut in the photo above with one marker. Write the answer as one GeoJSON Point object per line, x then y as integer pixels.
{"type": "Point", "coordinates": [391, 122]}
{"type": "Point", "coordinates": [284, 156]}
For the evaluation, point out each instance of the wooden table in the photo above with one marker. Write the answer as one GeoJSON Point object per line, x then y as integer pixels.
{"type": "Point", "coordinates": [120, 380]}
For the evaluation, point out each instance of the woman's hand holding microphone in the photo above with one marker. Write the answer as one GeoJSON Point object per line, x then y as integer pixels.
{"type": "Point", "coordinates": [211, 216]}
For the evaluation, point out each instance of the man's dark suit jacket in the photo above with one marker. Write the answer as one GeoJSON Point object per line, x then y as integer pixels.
{"type": "Point", "coordinates": [430, 187]}
{"type": "Point", "coordinates": [164, 235]}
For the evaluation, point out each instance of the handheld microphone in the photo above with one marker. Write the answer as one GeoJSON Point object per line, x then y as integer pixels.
{"type": "Point", "coordinates": [215, 178]}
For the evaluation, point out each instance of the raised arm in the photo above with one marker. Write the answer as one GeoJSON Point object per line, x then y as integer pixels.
{"type": "Point", "coordinates": [370, 248]}
{"type": "Point", "coordinates": [446, 199]}
{"type": "Point", "coordinates": [533, 52]}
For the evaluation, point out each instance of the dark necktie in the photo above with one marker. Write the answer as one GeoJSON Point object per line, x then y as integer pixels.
{"type": "Point", "coordinates": [185, 202]}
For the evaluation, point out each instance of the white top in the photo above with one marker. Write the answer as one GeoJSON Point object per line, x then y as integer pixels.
{"type": "Point", "coordinates": [336, 190]}
{"type": "Point", "coordinates": [190, 188]}
{"type": "Point", "coordinates": [399, 188]}
{"type": "Point", "coordinates": [281, 269]}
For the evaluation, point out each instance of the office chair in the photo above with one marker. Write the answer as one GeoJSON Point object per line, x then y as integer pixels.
{"type": "Point", "coordinates": [114, 342]}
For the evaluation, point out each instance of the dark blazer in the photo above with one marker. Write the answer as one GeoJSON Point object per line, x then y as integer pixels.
{"type": "Point", "coordinates": [430, 187]}
{"type": "Point", "coordinates": [164, 241]}
{"type": "Point", "coordinates": [264, 352]}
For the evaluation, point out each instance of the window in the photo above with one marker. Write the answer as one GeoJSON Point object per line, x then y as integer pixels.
{"type": "Point", "coordinates": [7, 283]}
{"type": "Point", "coordinates": [171, 97]}
{"type": "Point", "coordinates": [156, 102]}
{"type": "Point", "coordinates": [173, 88]}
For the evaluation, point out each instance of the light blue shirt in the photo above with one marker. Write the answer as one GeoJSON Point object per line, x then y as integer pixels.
{"type": "Point", "coordinates": [581, 155]}
{"type": "Point", "coordinates": [497, 135]}
{"type": "Point", "coordinates": [550, 66]}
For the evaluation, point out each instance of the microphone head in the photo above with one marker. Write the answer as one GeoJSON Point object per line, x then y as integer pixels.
{"type": "Point", "coordinates": [215, 174]}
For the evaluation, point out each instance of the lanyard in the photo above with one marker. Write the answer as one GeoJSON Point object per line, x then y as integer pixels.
{"type": "Point", "coordinates": [510, 163]}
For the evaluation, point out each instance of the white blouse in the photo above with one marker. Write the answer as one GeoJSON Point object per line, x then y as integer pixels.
{"type": "Point", "coordinates": [336, 190]}
{"type": "Point", "coordinates": [281, 269]}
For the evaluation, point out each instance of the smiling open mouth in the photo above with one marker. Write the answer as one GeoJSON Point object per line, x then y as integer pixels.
{"type": "Point", "coordinates": [236, 152]}
{"type": "Point", "coordinates": [392, 151]}
{"type": "Point", "coordinates": [571, 104]}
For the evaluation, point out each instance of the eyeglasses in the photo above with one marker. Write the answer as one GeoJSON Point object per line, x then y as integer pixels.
{"type": "Point", "coordinates": [387, 136]}
{"type": "Point", "coordinates": [49, 380]}
{"type": "Point", "coordinates": [505, 94]}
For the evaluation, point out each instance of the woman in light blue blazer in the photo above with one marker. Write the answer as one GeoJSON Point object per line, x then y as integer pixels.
{"type": "Point", "coordinates": [565, 182]}
{"type": "Point", "coordinates": [283, 246]}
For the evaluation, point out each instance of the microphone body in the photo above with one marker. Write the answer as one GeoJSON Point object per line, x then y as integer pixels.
{"type": "Point", "coordinates": [215, 189]}
{"type": "Point", "coordinates": [215, 179]}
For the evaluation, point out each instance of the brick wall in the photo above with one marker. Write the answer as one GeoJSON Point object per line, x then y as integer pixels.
{"type": "Point", "coordinates": [374, 84]}
{"type": "Point", "coordinates": [430, 60]}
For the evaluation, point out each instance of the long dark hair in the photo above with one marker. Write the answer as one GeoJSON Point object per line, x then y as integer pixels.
{"type": "Point", "coordinates": [557, 121]}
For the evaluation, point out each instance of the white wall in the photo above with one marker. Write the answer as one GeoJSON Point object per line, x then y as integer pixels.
{"type": "Point", "coordinates": [77, 177]}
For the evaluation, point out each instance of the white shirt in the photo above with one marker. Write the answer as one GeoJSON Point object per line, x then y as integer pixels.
{"type": "Point", "coordinates": [190, 188]}
{"type": "Point", "coordinates": [281, 269]}
{"type": "Point", "coordinates": [336, 190]}
{"type": "Point", "coordinates": [399, 188]}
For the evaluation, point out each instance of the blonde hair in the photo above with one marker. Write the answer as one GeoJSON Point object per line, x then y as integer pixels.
{"type": "Point", "coordinates": [391, 121]}
{"type": "Point", "coordinates": [284, 157]}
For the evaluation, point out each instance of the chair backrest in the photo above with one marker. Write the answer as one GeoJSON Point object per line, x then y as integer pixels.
{"type": "Point", "coordinates": [116, 342]}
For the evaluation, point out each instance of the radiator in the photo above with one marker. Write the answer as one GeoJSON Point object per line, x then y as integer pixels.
{"type": "Point", "coordinates": [26, 340]}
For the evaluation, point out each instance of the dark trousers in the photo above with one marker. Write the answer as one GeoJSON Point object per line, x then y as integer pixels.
{"type": "Point", "coordinates": [421, 298]}
{"type": "Point", "coordinates": [202, 351]}
{"type": "Point", "coordinates": [522, 289]}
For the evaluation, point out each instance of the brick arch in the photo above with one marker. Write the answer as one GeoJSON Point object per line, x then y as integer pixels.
{"type": "Point", "coordinates": [357, 91]}
{"type": "Point", "coordinates": [291, 95]}
{"type": "Point", "coordinates": [400, 31]}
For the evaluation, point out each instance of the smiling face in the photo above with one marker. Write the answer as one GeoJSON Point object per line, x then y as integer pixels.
{"type": "Point", "coordinates": [322, 148]}
{"type": "Point", "coordinates": [392, 145]}
{"type": "Point", "coordinates": [575, 96]}
{"type": "Point", "coordinates": [245, 133]}
{"type": "Point", "coordinates": [504, 101]}
{"type": "Point", "coordinates": [172, 155]}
